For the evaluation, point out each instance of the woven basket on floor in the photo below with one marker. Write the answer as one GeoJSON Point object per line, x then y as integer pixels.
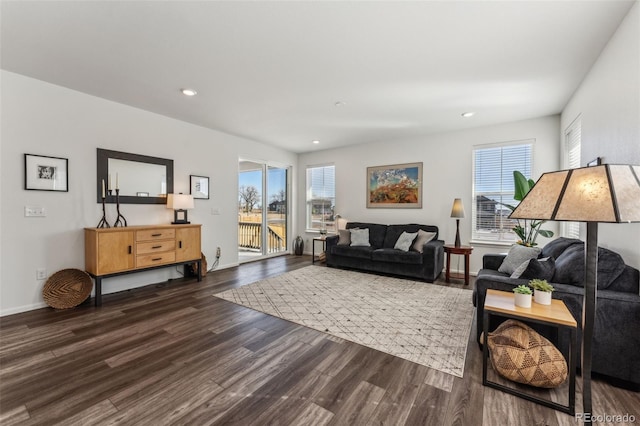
{"type": "Point", "coordinates": [519, 353]}
{"type": "Point", "coordinates": [67, 288]}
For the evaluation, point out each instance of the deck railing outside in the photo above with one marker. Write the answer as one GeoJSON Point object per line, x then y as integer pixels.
{"type": "Point", "coordinates": [250, 237]}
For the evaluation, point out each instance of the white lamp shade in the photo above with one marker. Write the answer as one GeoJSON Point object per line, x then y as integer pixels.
{"type": "Point", "coordinates": [457, 210]}
{"type": "Point", "coordinates": [180, 201]}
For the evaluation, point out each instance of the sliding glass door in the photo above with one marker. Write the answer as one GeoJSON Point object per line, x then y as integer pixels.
{"type": "Point", "coordinates": [263, 210]}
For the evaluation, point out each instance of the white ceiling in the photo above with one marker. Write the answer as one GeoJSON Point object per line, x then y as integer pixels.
{"type": "Point", "coordinates": [273, 71]}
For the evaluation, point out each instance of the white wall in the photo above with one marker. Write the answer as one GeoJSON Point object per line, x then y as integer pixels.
{"type": "Point", "coordinates": [608, 101]}
{"type": "Point", "coordinates": [44, 119]}
{"type": "Point", "coordinates": [447, 167]}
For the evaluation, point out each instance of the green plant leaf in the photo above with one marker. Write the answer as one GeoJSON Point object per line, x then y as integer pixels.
{"type": "Point", "coordinates": [545, 233]}
{"type": "Point", "coordinates": [521, 184]}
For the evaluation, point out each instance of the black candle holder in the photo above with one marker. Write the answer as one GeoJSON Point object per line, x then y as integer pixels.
{"type": "Point", "coordinates": [103, 222]}
{"type": "Point", "coordinates": [118, 221]}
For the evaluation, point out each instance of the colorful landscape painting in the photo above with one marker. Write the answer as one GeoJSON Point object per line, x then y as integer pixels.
{"type": "Point", "coordinates": [395, 186]}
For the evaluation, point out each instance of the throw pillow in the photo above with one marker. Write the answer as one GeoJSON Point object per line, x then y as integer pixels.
{"type": "Point", "coordinates": [542, 269]}
{"type": "Point", "coordinates": [344, 238]}
{"type": "Point", "coordinates": [516, 256]}
{"type": "Point", "coordinates": [360, 237]}
{"type": "Point", "coordinates": [520, 354]}
{"type": "Point", "coordinates": [404, 241]}
{"type": "Point", "coordinates": [423, 238]}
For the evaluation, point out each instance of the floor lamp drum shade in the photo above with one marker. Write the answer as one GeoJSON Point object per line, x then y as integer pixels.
{"type": "Point", "coordinates": [605, 193]}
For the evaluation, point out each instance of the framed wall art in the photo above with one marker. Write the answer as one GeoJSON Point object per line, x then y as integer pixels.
{"type": "Point", "coordinates": [395, 186]}
{"type": "Point", "coordinates": [199, 187]}
{"type": "Point", "coordinates": [42, 173]}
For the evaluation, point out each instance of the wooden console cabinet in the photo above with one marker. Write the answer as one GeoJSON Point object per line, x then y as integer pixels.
{"type": "Point", "coordinates": [116, 251]}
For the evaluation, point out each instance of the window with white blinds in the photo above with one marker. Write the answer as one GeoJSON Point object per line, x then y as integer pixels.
{"type": "Point", "coordinates": [321, 197]}
{"type": "Point", "coordinates": [493, 187]}
{"type": "Point", "coordinates": [571, 160]}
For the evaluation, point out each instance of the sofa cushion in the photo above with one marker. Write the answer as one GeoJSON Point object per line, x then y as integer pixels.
{"type": "Point", "coordinates": [396, 256]}
{"type": "Point", "coordinates": [570, 267]}
{"type": "Point", "coordinates": [351, 251]}
{"type": "Point", "coordinates": [404, 241]}
{"type": "Point", "coordinates": [516, 256]}
{"type": "Point", "coordinates": [423, 238]}
{"type": "Point", "coordinates": [542, 269]}
{"type": "Point", "coordinates": [359, 237]}
{"type": "Point", "coordinates": [377, 232]}
{"type": "Point", "coordinates": [556, 247]}
{"type": "Point", "coordinates": [344, 238]}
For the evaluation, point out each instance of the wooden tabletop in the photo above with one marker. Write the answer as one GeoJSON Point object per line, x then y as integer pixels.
{"type": "Point", "coordinates": [504, 302]}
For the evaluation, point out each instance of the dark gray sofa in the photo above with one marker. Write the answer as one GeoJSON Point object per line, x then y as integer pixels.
{"type": "Point", "coordinates": [382, 257]}
{"type": "Point", "coordinates": [616, 339]}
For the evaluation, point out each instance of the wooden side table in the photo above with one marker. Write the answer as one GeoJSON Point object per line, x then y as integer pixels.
{"type": "Point", "coordinates": [450, 249]}
{"type": "Point", "coordinates": [502, 303]}
{"type": "Point", "coordinates": [313, 248]}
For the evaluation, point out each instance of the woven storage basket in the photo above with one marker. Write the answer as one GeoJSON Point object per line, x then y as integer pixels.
{"type": "Point", "coordinates": [67, 288]}
{"type": "Point", "coordinates": [520, 354]}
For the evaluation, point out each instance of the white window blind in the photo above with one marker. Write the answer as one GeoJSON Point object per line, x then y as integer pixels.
{"type": "Point", "coordinates": [493, 187]}
{"type": "Point", "coordinates": [572, 146]}
{"type": "Point", "coordinates": [321, 198]}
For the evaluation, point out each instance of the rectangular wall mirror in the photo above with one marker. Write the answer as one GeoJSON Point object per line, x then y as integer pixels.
{"type": "Point", "coordinates": [141, 179]}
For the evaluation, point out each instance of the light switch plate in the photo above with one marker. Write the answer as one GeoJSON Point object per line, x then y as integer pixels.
{"type": "Point", "coordinates": [34, 211]}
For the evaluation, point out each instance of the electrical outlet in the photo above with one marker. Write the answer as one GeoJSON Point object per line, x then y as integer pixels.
{"type": "Point", "coordinates": [218, 252]}
{"type": "Point", "coordinates": [41, 274]}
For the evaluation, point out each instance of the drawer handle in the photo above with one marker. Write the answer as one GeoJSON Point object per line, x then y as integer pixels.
{"type": "Point", "coordinates": [180, 244]}
{"type": "Point", "coordinates": [156, 247]}
{"type": "Point", "coordinates": [156, 235]}
{"type": "Point", "coordinates": [129, 249]}
{"type": "Point", "coordinates": [156, 259]}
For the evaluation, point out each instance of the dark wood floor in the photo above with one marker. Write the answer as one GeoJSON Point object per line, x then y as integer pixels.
{"type": "Point", "coordinates": [171, 353]}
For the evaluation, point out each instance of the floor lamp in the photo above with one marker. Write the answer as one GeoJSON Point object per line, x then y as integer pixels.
{"type": "Point", "coordinates": [606, 193]}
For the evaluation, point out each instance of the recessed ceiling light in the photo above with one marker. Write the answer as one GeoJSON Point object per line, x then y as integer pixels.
{"type": "Point", "coordinates": [316, 142]}
{"type": "Point", "coordinates": [468, 114]}
{"type": "Point", "coordinates": [188, 92]}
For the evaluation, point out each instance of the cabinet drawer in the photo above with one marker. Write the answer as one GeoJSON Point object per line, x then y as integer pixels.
{"type": "Point", "coordinates": [155, 259]}
{"type": "Point", "coordinates": [155, 246]}
{"type": "Point", "coordinates": [155, 234]}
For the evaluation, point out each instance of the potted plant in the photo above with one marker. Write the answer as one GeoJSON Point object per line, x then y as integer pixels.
{"type": "Point", "coordinates": [522, 295]}
{"type": "Point", "coordinates": [526, 230]}
{"type": "Point", "coordinates": [543, 290]}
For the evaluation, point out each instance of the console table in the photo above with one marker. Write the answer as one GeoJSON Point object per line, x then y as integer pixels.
{"type": "Point", "coordinates": [109, 252]}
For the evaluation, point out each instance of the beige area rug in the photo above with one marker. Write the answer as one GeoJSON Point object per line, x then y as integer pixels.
{"type": "Point", "coordinates": [420, 322]}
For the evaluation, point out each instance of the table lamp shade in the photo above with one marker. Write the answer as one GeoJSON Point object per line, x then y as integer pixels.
{"type": "Point", "coordinates": [605, 193]}
{"type": "Point", "coordinates": [180, 201]}
{"type": "Point", "coordinates": [457, 210]}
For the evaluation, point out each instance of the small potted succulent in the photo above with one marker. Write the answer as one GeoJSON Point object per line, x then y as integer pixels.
{"type": "Point", "coordinates": [522, 295]}
{"type": "Point", "coordinates": [543, 290]}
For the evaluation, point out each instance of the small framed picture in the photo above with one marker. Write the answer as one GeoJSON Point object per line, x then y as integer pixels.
{"type": "Point", "coordinates": [199, 187]}
{"type": "Point", "coordinates": [42, 173]}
